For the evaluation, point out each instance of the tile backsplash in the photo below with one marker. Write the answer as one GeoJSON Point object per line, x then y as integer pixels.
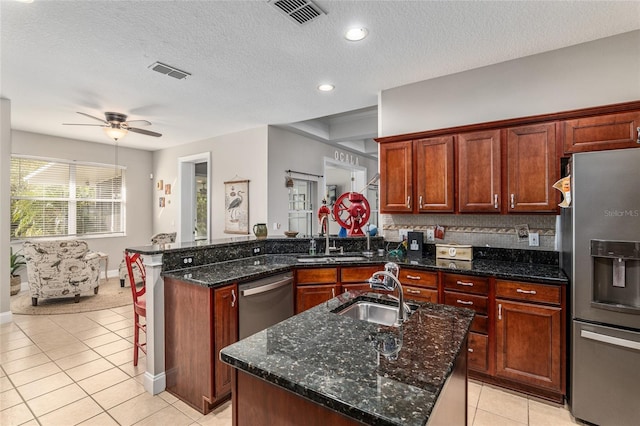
{"type": "Point", "coordinates": [477, 230]}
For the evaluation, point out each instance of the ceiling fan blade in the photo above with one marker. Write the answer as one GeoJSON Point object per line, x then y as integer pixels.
{"type": "Point", "coordinates": [78, 124]}
{"type": "Point", "coordinates": [144, 132]}
{"type": "Point", "coordinates": [140, 122]}
{"type": "Point", "coordinates": [95, 118]}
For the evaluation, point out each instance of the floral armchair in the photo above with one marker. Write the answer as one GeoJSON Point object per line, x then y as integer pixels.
{"type": "Point", "coordinates": [61, 268]}
{"type": "Point", "coordinates": [161, 238]}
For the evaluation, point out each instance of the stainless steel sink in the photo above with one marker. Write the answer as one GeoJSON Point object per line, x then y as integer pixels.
{"type": "Point", "coordinates": [376, 313]}
{"type": "Point", "coordinates": [331, 259]}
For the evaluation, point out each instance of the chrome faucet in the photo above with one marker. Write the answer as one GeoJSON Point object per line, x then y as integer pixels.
{"type": "Point", "coordinates": [325, 218]}
{"type": "Point", "coordinates": [388, 280]}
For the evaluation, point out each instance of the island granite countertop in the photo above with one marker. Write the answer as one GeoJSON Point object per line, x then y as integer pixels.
{"type": "Point", "coordinates": [335, 361]}
{"type": "Point", "coordinates": [245, 269]}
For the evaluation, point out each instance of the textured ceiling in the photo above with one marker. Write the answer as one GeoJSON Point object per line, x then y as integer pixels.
{"type": "Point", "coordinates": [250, 66]}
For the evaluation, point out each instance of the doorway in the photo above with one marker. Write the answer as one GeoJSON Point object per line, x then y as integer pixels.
{"type": "Point", "coordinates": [195, 197]}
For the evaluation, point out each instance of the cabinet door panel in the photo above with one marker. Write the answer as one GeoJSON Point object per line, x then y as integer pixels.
{"type": "Point", "coordinates": [225, 333]}
{"type": "Point", "coordinates": [420, 294]}
{"type": "Point", "coordinates": [529, 339]}
{"type": "Point", "coordinates": [317, 276]}
{"type": "Point", "coordinates": [308, 296]}
{"type": "Point", "coordinates": [612, 131]}
{"type": "Point", "coordinates": [358, 274]}
{"type": "Point", "coordinates": [532, 168]}
{"type": "Point", "coordinates": [434, 174]}
{"type": "Point", "coordinates": [478, 359]}
{"type": "Point", "coordinates": [396, 177]}
{"type": "Point", "coordinates": [418, 278]}
{"type": "Point", "coordinates": [479, 168]}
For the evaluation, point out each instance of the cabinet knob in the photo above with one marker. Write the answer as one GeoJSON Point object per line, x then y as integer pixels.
{"type": "Point", "coordinates": [499, 311]}
{"type": "Point", "coordinates": [464, 302]}
{"type": "Point", "coordinates": [233, 298]}
{"type": "Point", "coordinates": [464, 283]}
{"type": "Point", "coordinates": [513, 201]}
{"type": "Point", "coordinates": [421, 201]}
{"type": "Point", "coordinates": [410, 291]}
{"type": "Point", "coordinates": [409, 202]}
{"type": "Point", "coordinates": [413, 277]}
{"type": "Point", "coordinates": [519, 290]}
{"type": "Point", "coordinates": [495, 201]}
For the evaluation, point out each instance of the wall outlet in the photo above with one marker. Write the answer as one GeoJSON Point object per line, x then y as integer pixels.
{"type": "Point", "coordinates": [276, 226]}
{"type": "Point", "coordinates": [256, 251]}
{"type": "Point", "coordinates": [534, 239]}
{"type": "Point", "coordinates": [404, 233]}
{"type": "Point", "coordinates": [187, 261]}
{"type": "Point", "coordinates": [431, 235]}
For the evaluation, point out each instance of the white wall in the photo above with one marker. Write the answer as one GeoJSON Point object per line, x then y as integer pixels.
{"type": "Point", "coordinates": [600, 72]}
{"type": "Point", "coordinates": [290, 151]}
{"type": "Point", "coordinates": [242, 154]}
{"type": "Point", "coordinates": [5, 195]}
{"type": "Point", "coordinates": [139, 185]}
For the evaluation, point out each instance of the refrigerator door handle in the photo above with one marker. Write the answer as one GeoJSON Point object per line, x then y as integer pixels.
{"type": "Point", "coordinates": [610, 340]}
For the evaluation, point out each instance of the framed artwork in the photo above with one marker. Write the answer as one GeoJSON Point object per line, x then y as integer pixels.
{"type": "Point", "coordinates": [236, 207]}
{"type": "Point", "coordinates": [167, 189]}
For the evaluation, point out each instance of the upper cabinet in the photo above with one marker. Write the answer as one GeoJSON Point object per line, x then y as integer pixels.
{"type": "Point", "coordinates": [417, 176]}
{"type": "Point", "coordinates": [434, 174]}
{"type": "Point", "coordinates": [532, 168]}
{"type": "Point", "coordinates": [500, 167]}
{"type": "Point", "coordinates": [611, 131]}
{"type": "Point", "coordinates": [479, 172]}
{"type": "Point", "coordinates": [396, 177]}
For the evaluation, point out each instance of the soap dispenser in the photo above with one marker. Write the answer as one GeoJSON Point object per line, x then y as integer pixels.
{"type": "Point", "coordinates": [312, 247]}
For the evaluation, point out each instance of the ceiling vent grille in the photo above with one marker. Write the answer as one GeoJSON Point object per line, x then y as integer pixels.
{"type": "Point", "coordinates": [300, 11]}
{"type": "Point", "coordinates": [169, 70]}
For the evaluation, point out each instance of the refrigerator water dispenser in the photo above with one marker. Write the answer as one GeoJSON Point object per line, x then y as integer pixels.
{"type": "Point", "coordinates": [616, 275]}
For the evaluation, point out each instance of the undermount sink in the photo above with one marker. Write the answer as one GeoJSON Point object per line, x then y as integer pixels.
{"type": "Point", "coordinates": [331, 259]}
{"type": "Point", "coordinates": [377, 313]}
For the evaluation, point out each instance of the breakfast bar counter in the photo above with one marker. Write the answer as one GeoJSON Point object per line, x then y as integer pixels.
{"type": "Point", "coordinates": [338, 370]}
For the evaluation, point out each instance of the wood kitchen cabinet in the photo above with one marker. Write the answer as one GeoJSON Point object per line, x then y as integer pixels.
{"type": "Point", "coordinates": [199, 321]}
{"type": "Point", "coordinates": [434, 183]}
{"type": "Point", "coordinates": [610, 131]}
{"type": "Point", "coordinates": [479, 172]}
{"type": "Point", "coordinates": [396, 177]}
{"type": "Point", "coordinates": [472, 292]}
{"type": "Point", "coordinates": [532, 169]}
{"type": "Point", "coordinates": [357, 278]}
{"type": "Point", "coordinates": [419, 285]}
{"type": "Point", "coordinates": [314, 286]}
{"type": "Point", "coordinates": [530, 335]}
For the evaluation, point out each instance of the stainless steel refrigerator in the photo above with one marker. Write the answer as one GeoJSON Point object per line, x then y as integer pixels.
{"type": "Point", "coordinates": [601, 255]}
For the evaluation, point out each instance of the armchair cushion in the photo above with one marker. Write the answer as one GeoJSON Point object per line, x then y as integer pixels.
{"type": "Point", "coordinates": [60, 268]}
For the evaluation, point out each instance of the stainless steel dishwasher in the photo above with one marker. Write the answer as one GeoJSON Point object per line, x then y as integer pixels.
{"type": "Point", "coordinates": [264, 302]}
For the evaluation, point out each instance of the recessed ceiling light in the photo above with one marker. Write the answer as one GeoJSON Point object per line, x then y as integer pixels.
{"type": "Point", "coordinates": [356, 34]}
{"type": "Point", "coordinates": [326, 87]}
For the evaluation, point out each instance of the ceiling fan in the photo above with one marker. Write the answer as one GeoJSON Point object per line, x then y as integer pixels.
{"type": "Point", "coordinates": [116, 126]}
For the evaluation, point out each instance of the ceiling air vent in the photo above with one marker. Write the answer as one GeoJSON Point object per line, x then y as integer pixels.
{"type": "Point", "coordinates": [300, 11]}
{"type": "Point", "coordinates": [169, 70]}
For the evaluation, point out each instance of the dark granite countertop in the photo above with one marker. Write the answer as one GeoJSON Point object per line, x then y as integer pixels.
{"type": "Point", "coordinates": [335, 361]}
{"type": "Point", "coordinates": [245, 269]}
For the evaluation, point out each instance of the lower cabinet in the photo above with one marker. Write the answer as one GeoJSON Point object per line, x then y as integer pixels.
{"type": "Point", "coordinates": [308, 296]}
{"type": "Point", "coordinates": [199, 321]}
{"type": "Point", "coordinates": [478, 356]}
{"type": "Point", "coordinates": [530, 336]}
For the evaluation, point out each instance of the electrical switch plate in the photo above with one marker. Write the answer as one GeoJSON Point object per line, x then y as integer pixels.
{"type": "Point", "coordinates": [534, 240]}
{"type": "Point", "coordinates": [404, 233]}
{"type": "Point", "coordinates": [431, 235]}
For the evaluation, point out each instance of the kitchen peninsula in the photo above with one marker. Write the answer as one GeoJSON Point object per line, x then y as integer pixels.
{"type": "Point", "coordinates": [323, 368]}
{"type": "Point", "coordinates": [199, 306]}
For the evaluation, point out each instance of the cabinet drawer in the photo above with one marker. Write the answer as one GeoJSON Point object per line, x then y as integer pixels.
{"type": "Point", "coordinates": [317, 276]}
{"type": "Point", "coordinates": [358, 274]}
{"type": "Point", "coordinates": [363, 287]}
{"type": "Point", "coordinates": [466, 283]}
{"type": "Point", "coordinates": [414, 277]}
{"type": "Point", "coordinates": [420, 294]}
{"type": "Point", "coordinates": [480, 324]}
{"type": "Point", "coordinates": [462, 300]}
{"type": "Point", "coordinates": [477, 358]}
{"type": "Point", "coordinates": [528, 291]}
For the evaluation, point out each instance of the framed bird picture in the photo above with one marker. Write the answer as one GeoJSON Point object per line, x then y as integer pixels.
{"type": "Point", "coordinates": [236, 207]}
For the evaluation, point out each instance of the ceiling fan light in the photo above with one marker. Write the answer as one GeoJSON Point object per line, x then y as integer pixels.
{"type": "Point", "coordinates": [115, 133]}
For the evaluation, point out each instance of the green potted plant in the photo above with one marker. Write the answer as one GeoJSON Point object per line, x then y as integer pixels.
{"type": "Point", "coordinates": [17, 261]}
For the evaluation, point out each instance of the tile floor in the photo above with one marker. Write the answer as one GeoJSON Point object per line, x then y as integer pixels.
{"type": "Point", "coordinates": [77, 369]}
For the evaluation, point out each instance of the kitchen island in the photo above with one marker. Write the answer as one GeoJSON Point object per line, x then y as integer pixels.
{"type": "Point", "coordinates": [319, 367]}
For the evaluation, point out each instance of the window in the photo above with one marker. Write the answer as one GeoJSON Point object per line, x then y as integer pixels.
{"type": "Point", "coordinates": [54, 198]}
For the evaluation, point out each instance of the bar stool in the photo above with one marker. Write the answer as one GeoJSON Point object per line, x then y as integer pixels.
{"type": "Point", "coordinates": [139, 302]}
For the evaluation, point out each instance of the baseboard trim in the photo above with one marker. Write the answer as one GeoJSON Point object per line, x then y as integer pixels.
{"type": "Point", "coordinates": [154, 384]}
{"type": "Point", "coordinates": [6, 317]}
